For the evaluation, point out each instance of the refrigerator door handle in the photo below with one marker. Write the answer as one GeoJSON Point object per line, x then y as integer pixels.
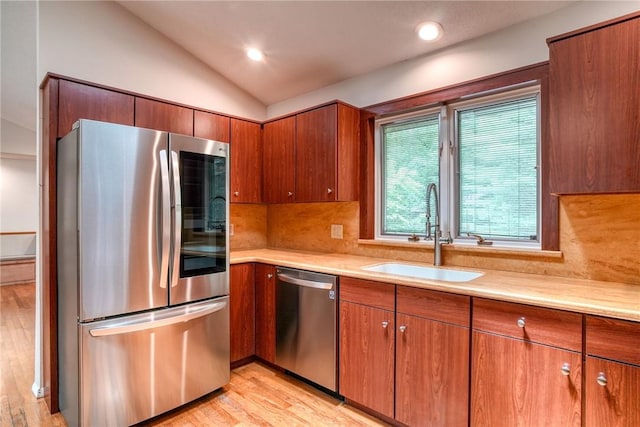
{"type": "Point", "coordinates": [166, 218]}
{"type": "Point", "coordinates": [177, 230]}
{"type": "Point", "coordinates": [118, 329]}
{"type": "Point", "coordinates": [301, 282]}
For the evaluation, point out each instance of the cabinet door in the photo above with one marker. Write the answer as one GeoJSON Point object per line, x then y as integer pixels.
{"type": "Point", "coordinates": [266, 312]}
{"type": "Point", "coordinates": [518, 383]}
{"type": "Point", "coordinates": [79, 101]}
{"type": "Point", "coordinates": [367, 356]}
{"type": "Point", "coordinates": [279, 160]}
{"type": "Point", "coordinates": [211, 126]}
{"type": "Point", "coordinates": [316, 157]}
{"type": "Point", "coordinates": [594, 103]}
{"type": "Point", "coordinates": [242, 313]}
{"type": "Point", "coordinates": [432, 372]}
{"type": "Point", "coordinates": [612, 393]}
{"type": "Point", "coordinates": [246, 162]}
{"type": "Point", "coordinates": [163, 116]}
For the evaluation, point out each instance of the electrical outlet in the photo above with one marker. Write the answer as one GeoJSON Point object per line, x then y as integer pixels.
{"type": "Point", "coordinates": [231, 229]}
{"type": "Point", "coordinates": [336, 231]}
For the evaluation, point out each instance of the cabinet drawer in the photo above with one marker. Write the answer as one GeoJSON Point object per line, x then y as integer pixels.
{"type": "Point", "coordinates": [374, 294]}
{"type": "Point", "coordinates": [440, 306]}
{"type": "Point", "coordinates": [542, 325]}
{"type": "Point", "coordinates": [613, 339]}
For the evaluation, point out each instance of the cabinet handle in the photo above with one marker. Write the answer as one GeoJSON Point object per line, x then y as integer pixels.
{"type": "Point", "coordinates": [236, 193]}
{"type": "Point", "coordinates": [289, 194]}
{"type": "Point", "coordinates": [602, 379]}
{"type": "Point", "coordinates": [269, 276]}
{"type": "Point", "coordinates": [521, 322]}
{"type": "Point", "coordinates": [329, 191]}
{"type": "Point", "coordinates": [385, 324]}
{"type": "Point", "coordinates": [402, 328]}
{"type": "Point", "coordinates": [566, 369]}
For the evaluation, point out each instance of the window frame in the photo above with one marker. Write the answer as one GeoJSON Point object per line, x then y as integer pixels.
{"type": "Point", "coordinates": [379, 188]}
{"type": "Point", "coordinates": [449, 158]}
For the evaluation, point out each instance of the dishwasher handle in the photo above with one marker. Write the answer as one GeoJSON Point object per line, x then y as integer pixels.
{"type": "Point", "coordinates": [302, 282]}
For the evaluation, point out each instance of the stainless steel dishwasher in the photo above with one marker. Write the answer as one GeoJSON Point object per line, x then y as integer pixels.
{"type": "Point", "coordinates": [306, 325]}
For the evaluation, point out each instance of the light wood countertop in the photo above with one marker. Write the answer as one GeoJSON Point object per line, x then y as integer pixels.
{"type": "Point", "coordinates": [611, 299]}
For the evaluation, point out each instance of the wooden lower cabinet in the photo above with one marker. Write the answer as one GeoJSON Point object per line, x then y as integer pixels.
{"type": "Point", "coordinates": [367, 356]}
{"type": "Point", "coordinates": [612, 392]}
{"type": "Point", "coordinates": [612, 373]}
{"type": "Point", "coordinates": [242, 311]}
{"type": "Point", "coordinates": [526, 365]}
{"type": "Point", "coordinates": [265, 312]}
{"type": "Point", "coordinates": [432, 372]}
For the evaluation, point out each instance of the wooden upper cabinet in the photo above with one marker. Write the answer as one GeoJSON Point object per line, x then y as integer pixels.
{"type": "Point", "coordinates": [594, 109]}
{"type": "Point", "coordinates": [327, 148]}
{"type": "Point", "coordinates": [163, 116]}
{"type": "Point", "coordinates": [246, 162]}
{"type": "Point", "coordinates": [211, 126]}
{"type": "Point", "coordinates": [278, 161]}
{"type": "Point", "coordinates": [80, 101]}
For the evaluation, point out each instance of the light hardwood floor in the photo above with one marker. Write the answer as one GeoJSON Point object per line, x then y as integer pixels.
{"type": "Point", "coordinates": [255, 396]}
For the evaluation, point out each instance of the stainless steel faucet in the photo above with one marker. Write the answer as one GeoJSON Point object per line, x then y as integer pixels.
{"type": "Point", "coordinates": [437, 244]}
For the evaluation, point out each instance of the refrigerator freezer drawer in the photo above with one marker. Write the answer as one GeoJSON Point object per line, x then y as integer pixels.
{"type": "Point", "coordinates": [136, 367]}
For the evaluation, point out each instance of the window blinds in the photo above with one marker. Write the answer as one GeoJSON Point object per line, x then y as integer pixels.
{"type": "Point", "coordinates": [497, 169]}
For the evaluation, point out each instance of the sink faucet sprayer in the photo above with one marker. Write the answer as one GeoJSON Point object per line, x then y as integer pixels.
{"type": "Point", "coordinates": [437, 244]}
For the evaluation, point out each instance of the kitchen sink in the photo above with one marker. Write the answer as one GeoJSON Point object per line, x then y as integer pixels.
{"type": "Point", "coordinates": [420, 272]}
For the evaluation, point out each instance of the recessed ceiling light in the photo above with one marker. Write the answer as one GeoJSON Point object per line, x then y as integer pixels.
{"type": "Point", "coordinates": [429, 31]}
{"type": "Point", "coordinates": [255, 54]}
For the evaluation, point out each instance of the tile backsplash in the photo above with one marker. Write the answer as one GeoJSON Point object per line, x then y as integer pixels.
{"type": "Point", "coordinates": [599, 237]}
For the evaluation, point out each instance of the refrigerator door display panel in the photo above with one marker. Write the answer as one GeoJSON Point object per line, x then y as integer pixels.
{"type": "Point", "coordinates": [199, 266]}
{"type": "Point", "coordinates": [143, 365]}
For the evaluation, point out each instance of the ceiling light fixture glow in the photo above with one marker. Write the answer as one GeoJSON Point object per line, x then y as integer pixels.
{"type": "Point", "coordinates": [429, 31]}
{"type": "Point", "coordinates": [255, 54]}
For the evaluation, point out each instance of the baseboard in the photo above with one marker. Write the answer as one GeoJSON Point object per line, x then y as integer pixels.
{"type": "Point", "coordinates": [37, 391]}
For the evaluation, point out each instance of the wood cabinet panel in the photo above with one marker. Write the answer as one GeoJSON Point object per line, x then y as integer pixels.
{"type": "Point", "coordinates": [594, 106]}
{"type": "Point", "coordinates": [265, 281]}
{"type": "Point", "coordinates": [211, 126]}
{"type": "Point", "coordinates": [316, 156]}
{"type": "Point", "coordinates": [441, 306]}
{"type": "Point", "coordinates": [163, 116]}
{"type": "Point", "coordinates": [614, 403]}
{"type": "Point", "coordinates": [246, 162]}
{"type": "Point", "coordinates": [279, 160]}
{"type": "Point", "coordinates": [367, 356]}
{"type": "Point", "coordinates": [542, 325]}
{"type": "Point", "coordinates": [432, 372]}
{"type": "Point", "coordinates": [348, 162]}
{"type": "Point", "coordinates": [517, 383]}
{"type": "Point", "coordinates": [613, 339]}
{"type": "Point", "coordinates": [375, 294]}
{"type": "Point", "coordinates": [242, 311]}
{"type": "Point", "coordinates": [80, 101]}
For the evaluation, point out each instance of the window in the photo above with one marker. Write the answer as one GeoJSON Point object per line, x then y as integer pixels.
{"type": "Point", "coordinates": [482, 154]}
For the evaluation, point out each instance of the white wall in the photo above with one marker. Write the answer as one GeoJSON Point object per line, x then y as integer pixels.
{"type": "Point", "coordinates": [102, 42]}
{"type": "Point", "coordinates": [16, 139]}
{"type": "Point", "coordinates": [18, 189]}
{"type": "Point", "coordinates": [18, 205]}
{"type": "Point", "coordinates": [507, 49]}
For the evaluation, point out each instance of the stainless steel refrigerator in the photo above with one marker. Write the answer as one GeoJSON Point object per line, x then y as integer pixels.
{"type": "Point", "coordinates": [143, 266]}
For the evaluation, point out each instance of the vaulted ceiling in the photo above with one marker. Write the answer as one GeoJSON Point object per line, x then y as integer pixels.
{"type": "Point", "coordinates": [312, 44]}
